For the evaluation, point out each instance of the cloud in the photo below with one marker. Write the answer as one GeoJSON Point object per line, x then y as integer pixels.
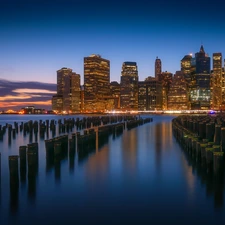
{"type": "Point", "coordinates": [17, 94]}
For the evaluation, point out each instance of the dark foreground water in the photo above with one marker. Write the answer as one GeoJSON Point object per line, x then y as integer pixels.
{"type": "Point", "coordinates": [140, 177]}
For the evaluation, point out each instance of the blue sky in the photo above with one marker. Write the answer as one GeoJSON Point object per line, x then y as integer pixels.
{"type": "Point", "coordinates": [39, 37]}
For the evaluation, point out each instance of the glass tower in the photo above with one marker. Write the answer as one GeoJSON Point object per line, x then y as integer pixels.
{"type": "Point", "coordinates": [129, 86]}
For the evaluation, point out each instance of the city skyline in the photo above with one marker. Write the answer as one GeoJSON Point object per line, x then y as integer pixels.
{"type": "Point", "coordinates": [37, 40]}
{"type": "Point", "coordinates": [18, 94]}
{"type": "Point", "coordinates": [40, 37]}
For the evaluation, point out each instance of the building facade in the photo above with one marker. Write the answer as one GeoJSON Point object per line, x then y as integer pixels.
{"type": "Point", "coordinates": [154, 92]}
{"type": "Point", "coordinates": [129, 86]}
{"type": "Point", "coordinates": [115, 93]}
{"type": "Point", "coordinates": [217, 81]}
{"type": "Point", "coordinates": [158, 67]}
{"type": "Point", "coordinates": [166, 79]}
{"type": "Point", "coordinates": [68, 92]}
{"type": "Point", "coordinates": [202, 61]}
{"type": "Point", "coordinates": [178, 93]}
{"type": "Point", "coordinates": [200, 95]}
{"type": "Point", "coordinates": [96, 83]}
{"type": "Point", "coordinates": [142, 96]}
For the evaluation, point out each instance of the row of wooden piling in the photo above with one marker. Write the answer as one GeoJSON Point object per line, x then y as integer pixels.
{"type": "Point", "coordinates": [64, 126]}
{"type": "Point", "coordinates": [25, 165]}
{"type": "Point", "coordinates": [203, 137]}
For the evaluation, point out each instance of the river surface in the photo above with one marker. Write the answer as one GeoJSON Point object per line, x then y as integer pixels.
{"type": "Point", "coordinates": [140, 177]}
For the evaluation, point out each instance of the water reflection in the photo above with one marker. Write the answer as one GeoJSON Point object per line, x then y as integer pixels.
{"type": "Point", "coordinates": [32, 159]}
{"type": "Point", "coordinates": [158, 145]}
{"type": "Point", "coordinates": [71, 160]}
{"type": "Point", "coordinates": [57, 169]}
{"type": "Point", "coordinates": [214, 183]}
{"type": "Point", "coordinates": [120, 176]}
{"type": "Point", "coordinates": [14, 183]}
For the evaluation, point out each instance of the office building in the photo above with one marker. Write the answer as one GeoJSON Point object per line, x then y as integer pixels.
{"type": "Point", "coordinates": [68, 92]}
{"type": "Point", "coordinates": [202, 61]}
{"type": "Point", "coordinates": [158, 67]}
{"type": "Point", "coordinates": [96, 84]}
{"type": "Point", "coordinates": [178, 93]}
{"type": "Point", "coordinates": [200, 95]}
{"type": "Point", "coordinates": [142, 96]}
{"type": "Point", "coordinates": [166, 79]}
{"type": "Point", "coordinates": [154, 93]}
{"type": "Point", "coordinates": [115, 93]}
{"type": "Point", "coordinates": [217, 81]}
{"type": "Point", "coordinates": [129, 86]}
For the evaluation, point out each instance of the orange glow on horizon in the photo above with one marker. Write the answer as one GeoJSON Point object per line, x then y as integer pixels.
{"type": "Point", "coordinates": [23, 104]}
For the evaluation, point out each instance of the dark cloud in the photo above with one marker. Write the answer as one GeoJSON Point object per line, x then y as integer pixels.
{"type": "Point", "coordinates": [17, 94]}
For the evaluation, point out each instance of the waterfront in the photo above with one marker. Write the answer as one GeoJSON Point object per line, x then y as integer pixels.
{"type": "Point", "coordinates": [139, 177]}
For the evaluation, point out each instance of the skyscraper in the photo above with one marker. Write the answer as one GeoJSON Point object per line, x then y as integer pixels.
{"type": "Point", "coordinates": [223, 87]}
{"type": "Point", "coordinates": [178, 95]}
{"type": "Point", "coordinates": [217, 81]}
{"type": "Point", "coordinates": [166, 79]}
{"type": "Point", "coordinates": [129, 86]}
{"type": "Point", "coordinates": [202, 61]}
{"type": "Point", "coordinates": [115, 93]}
{"type": "Point", "coordinates": [158, 67]}
{"type": "Point", "coordinates": [63, 87]}
{"type": "Point", "coordinates": [154, 92]}
{"type": "Point", "coordinates": [188, 67]}
{"type": "Point", "coordinates": [68, 91]}
{"type": "Point", "coordinates": [75, 91]}
{"type": "Point", "coordinates": [200, 92]}
{"type": "Point", "coordinates": [96, 83]}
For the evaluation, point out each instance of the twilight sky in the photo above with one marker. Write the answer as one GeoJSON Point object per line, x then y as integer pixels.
{"type": "Point", "coordinates": [39, 37]}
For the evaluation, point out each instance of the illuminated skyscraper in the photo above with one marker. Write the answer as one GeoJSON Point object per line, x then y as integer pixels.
{"type": "Point", "coordinates": [75, 91]}
{"type": "Point", "coordinates": [217, 81]}
{"type": "Point", "coordinates": [68, 91]}
{"type": "Point", "coordinates": [202, 61]}
{"type": "Point", "coordinates": [129, 86]}
{"type": "Point", "coordinates": [166, 79]}
{"type": "Point", "coordinates": [200, 92]}
{"type": "Point", "coordinates": [158, 67]}
{"type": "Point", "coordinates": [188, 67]}
{"type": "Point", "coordinates": [178, 95]}
{"type": "Point", "coordinates": [115, 92]}
{"type": "Point", "coordinates": [223, 87]}
{"type": "Point", "coordinates": [96, 83]}
{"type": "Point", "coordinates": [154, 92]}
{"type": "Point", "coordinates": [142, 96]}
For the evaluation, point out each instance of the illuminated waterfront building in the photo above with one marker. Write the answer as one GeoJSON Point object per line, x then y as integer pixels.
{"type": "Point", "coordinates": [188, 67]}
{"type": "Point", "coordinates": [149, 94]}
{"type": "Point", "coordinates": [200, 92]}
{"type": "Point", "coordinates": [75, 91]}
{"type": "Point", "coordinates": [202, 61]}
{"type": "Point", "coordinates": [82, 99]}
{"type": "Point", "coordinates": [186, 64]}
{"type": "Point", "coordinates": [154, 92]}
{"type": "Point", "coordinates": [223, 87]}
{"type": "Point", "coordinates": [158, 67]}
{"type": "Point", "coordinates": [129, 86]}
{"type": "Point", "coordinates": [115, 93]}
{"type": "Point", "coordinates": [57, 103]}
{"type": "Point", "coordinates": [166, 79]}
{"type": "Point", "coordinates": [142, 96]}
{"type": "Point", "coordinates": [96, 84]}
{"type": "Point", "coordinates": [217, 81]}
{"type": "Point", "coordinates": [178, 93]}
{"type": "Point", "coordinates": [68, 92]}
{"type": "Point", "coordinates": [200, 96]}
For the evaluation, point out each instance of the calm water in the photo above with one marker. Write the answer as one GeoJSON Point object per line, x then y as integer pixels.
{"type": "Point", "coordinates": [140, 177]}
